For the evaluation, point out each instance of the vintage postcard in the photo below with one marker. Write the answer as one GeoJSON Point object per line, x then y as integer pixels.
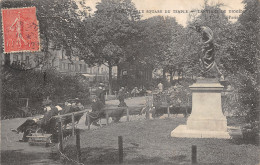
{"type": "Point", "coordinates": [129, 82]}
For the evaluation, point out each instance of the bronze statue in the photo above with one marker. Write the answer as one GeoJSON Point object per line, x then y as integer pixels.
{"type": "Point", "coordinates": [207, 60]}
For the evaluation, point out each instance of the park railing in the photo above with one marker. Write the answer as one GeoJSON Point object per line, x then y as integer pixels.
{"type": "Point", "coordinates": [65, 140]}
{"type": "Point", "coordinates": [75, 133]}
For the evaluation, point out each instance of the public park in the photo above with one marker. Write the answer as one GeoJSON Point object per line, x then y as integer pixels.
{"type": "Point", "coordinates": [110, 82]}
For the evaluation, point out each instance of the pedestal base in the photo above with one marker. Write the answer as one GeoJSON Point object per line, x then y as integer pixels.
{"type": "Point", "coordinates": [183, 131]}
{"type": "Point", "coordinates": [207, 124]}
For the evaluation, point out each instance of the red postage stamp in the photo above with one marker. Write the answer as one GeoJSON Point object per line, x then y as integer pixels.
{"type": "Point", "coordinates": [20, 30]}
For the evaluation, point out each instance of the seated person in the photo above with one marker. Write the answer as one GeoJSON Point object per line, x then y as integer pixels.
{"type": "Point", "coordinates": [59, 108]}
{"type": "Point", "coordinates": [97, 111]}
{"type": "Point", "coordinates": [70, 108]}
{"type": "Point", "coordinates": [66, 108]}
{"type": "Point", "coordinates": [26, 128]}
{"type": "Point", "coordinates": [75, 108]}
{"type": "Point", "coordinates": [134, 92]}
{"type": "Point", "coordinates": [81, 107]}
{"type": "Point", "coordinates": [50, 112]}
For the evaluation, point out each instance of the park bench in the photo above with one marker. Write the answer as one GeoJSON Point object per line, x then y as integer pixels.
{"type": "Point", "coordinates": [160, 102]}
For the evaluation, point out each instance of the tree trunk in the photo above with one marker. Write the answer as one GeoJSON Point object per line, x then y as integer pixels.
{"type": "Point", "coordinates": [110, 79]}
{"type": "Point", "coordinates": [171, 76]}
{"type": "Point", "coordinates": [119, 78]}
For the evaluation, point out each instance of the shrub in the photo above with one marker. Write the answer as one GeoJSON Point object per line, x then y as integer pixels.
{"type": "Point", "coordinates": [37, 85]}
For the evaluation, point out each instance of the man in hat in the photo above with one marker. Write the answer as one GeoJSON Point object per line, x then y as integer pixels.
{"type": "Point", "coordinates": [121, 97]}
{"type": "Point", "coordinates": [101, 93]}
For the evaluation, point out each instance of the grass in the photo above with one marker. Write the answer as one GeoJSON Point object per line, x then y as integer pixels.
{"type": "Point", "coordinates": [149, 142]}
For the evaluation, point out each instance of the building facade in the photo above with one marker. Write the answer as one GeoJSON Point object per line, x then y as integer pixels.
{"type": "Point", "coordinates": [58, 60]}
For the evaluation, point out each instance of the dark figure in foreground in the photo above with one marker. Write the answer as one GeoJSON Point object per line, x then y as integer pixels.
{"type": "Point", "coordinates": [207, 60]}
{"type": "Point", "coordinates": [46, 124]}
{"type": "Point", "coordinates": [97, 112]}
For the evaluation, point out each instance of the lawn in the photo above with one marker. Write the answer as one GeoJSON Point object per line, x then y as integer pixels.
{"type": "Point", "coordinates": [149, 142]}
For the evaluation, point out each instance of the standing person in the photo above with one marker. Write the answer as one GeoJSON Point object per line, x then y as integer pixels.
{"type": "Point", "coordinates": [134, 92]}
{"type": "Point", "coordinates": [101, 93]}
{"type": "Point", "coordinates": [121, 97]}
{"type": "Point", "coordinates": [160, 86]}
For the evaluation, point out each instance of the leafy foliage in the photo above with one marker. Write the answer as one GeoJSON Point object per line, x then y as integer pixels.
{"type": "Point", "coordinates": [242, 59]}
{"type": "Point", "coordinates": [37, 85]}
{"type": "Point", "coordinates": [111, 29]}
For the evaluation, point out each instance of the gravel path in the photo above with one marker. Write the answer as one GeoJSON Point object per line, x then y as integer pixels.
{"type": "Point", "coordinates": [14, 152]}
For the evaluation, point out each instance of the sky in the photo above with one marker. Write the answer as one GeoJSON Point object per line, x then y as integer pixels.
{"type": "Point", "coordinates": [146, 6]}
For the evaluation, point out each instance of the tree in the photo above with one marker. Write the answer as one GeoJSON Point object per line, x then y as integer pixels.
{"type": "Point", "coordinates": [112, 28]}
{"type": "Point", "coordinates": [242, 59]}
{"type": "Point", "coordinates": [159, 36]}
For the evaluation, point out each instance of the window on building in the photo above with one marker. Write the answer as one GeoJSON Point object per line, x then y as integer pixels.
{"type": "Point", "coordinates": [60, 66]}
{"type": "Point", "coordinates": [36, 60]}
{"type": "Point", "coordinates": [80, 67]}
{"type": "Point", "coordinates": [69, 66]}
{"type": "Point", "coordinates": [27, 60]}
{"type": "Point", "coordinates": [15, 58]}
{"type": "Point", "coordinates": [85, 67]}
{"type": "Point", "coordinates": [63, 64]}
{"type": "Point", "coordinates": [76, 67]}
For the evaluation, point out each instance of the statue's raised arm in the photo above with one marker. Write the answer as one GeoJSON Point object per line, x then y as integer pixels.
{"type": "Point", "coordinates": [209, 34]}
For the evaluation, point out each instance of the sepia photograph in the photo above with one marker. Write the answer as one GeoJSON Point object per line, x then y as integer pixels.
{"type": "Point", "coordinates": [103, 82]}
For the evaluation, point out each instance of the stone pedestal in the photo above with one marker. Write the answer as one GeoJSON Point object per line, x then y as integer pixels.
{"type": "Point", "coordinates": [207, 119]}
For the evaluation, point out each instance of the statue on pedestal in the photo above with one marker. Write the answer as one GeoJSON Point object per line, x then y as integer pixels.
{"type": "Point", "coordinates": [207, 59]}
